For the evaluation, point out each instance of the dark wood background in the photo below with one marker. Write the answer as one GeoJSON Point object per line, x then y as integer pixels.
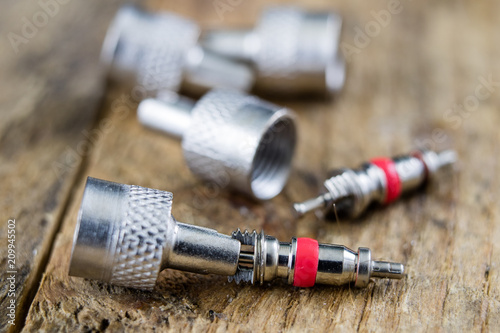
{"type": "Point", "coordinates": [60, 123]}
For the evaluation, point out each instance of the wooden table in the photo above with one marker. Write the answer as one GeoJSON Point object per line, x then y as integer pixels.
{"type": "Point", "coordinates": [409, 73]}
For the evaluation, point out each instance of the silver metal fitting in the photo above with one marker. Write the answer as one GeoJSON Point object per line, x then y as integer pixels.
{"type": "Point", "coordinates": [159, 51]}
{"type": "Point", "coordinates": [293, 50]}
{"type": "Point", "coordinates": [264, 258]}
{"type": "Point", "coordinates": [230, 138]}
{"type": "Point", "coordinates": [125, 235]}
{"type": "Point", "coordinates": [351, 191]}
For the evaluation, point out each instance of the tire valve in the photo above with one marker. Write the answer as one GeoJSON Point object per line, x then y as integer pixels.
{"type": "Point", "coordinates": [381, 180]}
{"type": "Point", "coordinates": [126, 236]}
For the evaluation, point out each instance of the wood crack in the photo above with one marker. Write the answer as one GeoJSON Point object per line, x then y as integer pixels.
{"type": "Point", "coordinates": [364, 312]}
{"type": "Point", "coordinates": [67, 200]}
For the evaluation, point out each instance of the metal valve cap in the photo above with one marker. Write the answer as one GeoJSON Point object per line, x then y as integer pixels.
{"type": "Point", "coordinates": [241, 141]}
{"type": "Point", "coordinates": [121, 233]}
{"type": "Point", "coordinates": [148, 49]}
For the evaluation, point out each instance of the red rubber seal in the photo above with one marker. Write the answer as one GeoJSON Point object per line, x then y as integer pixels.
{"type": "Point", "coordinates": [393, 188]}
{"type": "Point", "coordinates": [306, 262]}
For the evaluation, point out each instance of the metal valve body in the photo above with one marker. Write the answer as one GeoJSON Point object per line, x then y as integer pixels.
{"type": "Point", "coordinates": [125, 235]}
{"type": "Point", "coordinates": [381, 180]}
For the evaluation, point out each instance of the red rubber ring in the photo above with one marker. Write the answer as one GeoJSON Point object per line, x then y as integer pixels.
{"type": "Point", "coordinates": [393, 188]}
{"type": "Point", "coordinates": [306, 262]}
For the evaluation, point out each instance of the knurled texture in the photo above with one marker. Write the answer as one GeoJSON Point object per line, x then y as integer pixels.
{"type": "Point", "coordinates": [341, 185]}
{"type": "Point", "coordinates": [223, 137]}
{"type": "Point", "coordinates": [142, 237]}
{"type": "Point", "coordinates": [278, 32]}
{"type": "Point", "coordinates": [362, 185]}
{"type": "Point", "coordinates": [159, 43]}
{"type": "Point", "coordinates": [244, 274]}
{"type": "Point", "coordinates": [345, 184]}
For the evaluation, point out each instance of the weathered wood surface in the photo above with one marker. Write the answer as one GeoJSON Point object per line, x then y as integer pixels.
{"type": "Point", "coordinates": [51, 88]}
{"type": "Point", "coordinates": [402, 83]}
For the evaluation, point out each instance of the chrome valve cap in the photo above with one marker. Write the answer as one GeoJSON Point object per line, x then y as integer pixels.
{"type": "Point", "coordinates": [229, 138]}
{"type": "Point", "coordinates": [121, 233]}
{"type": "Point", "coordinates": [293, 50]}
{"type": "Point", "coordinates": [154, 52]}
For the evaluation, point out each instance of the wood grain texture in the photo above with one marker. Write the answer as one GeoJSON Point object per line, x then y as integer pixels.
{"type": "Point", "coordinates": [401, 87]}
{"type": "Point", "coordinates": [50, 93]}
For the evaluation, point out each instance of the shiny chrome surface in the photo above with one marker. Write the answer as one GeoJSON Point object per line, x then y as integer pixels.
{"type": "Point", "coordinates": [202, 250]}
{"type": "Point", "coordinates": [337, 265]}
{"type": "Point", "coordinates": [364, 267]}
{"type": "Point", "coordinates": [205, 69]}
{"type": "Point", "coordinates": [126, 235]}
{"type": "Point", "coordinates": [121, 234]}
{"type": "Point", "coordinates": [169, 113]}
{"type": "Point", "coordinates": [96, 234]}
{"type": "Point", "coordinates": [229, 138]}
{"type": "Point", "coordinates": [351, 191]}
{"type": "Point", "coordinates": [436, 160]}
{"type": "Point", "coordinates": [152, 52]}
{"type": "Point", "coordinates": [293, 50]}
{"type": "Point", "coordinates": [411, 171]}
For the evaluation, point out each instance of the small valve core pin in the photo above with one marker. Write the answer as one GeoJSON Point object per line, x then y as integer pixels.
{"type": "Point", "coordinates": [383, 180]}
{"type": "Point", "coordinates": [125, 235]}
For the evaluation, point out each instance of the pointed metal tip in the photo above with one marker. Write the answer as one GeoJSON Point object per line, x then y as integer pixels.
{"type": "Point", "coordinates": [298, 209]}
{"type": "Point", "coordinates": [447, 157]}
{"type": "Point", "coordinates": [391, 270]}
{"type": "Point", "coordinates": [301, 208]}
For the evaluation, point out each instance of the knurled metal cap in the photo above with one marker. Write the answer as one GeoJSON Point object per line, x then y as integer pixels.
{"type": "Point", "coordinates": [299, 49]}
{"type": "Point", "coordinates": [148, 50]}
{"type": "Point", "coordinates": [121, 233]}
{"type": "Point", "coordinates": [241, 141]}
